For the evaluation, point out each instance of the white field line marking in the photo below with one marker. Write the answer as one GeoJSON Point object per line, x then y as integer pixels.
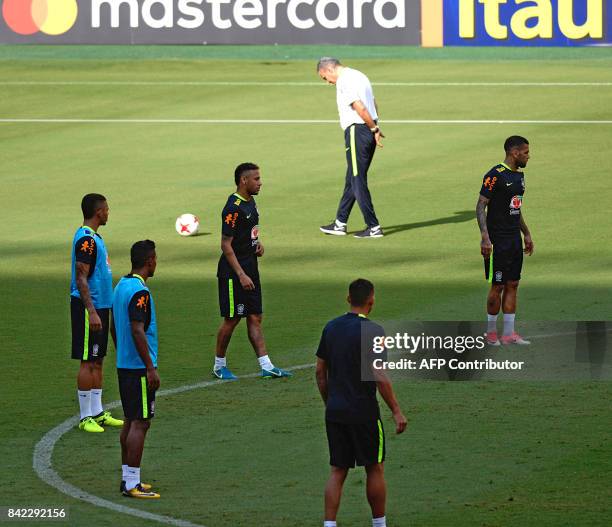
{"type": "Point", "coordinates": [296, 84]}
{"type": "Point", "coordinates": [43, 453]}
{"type": "Point", "coordinates": [288, 121]}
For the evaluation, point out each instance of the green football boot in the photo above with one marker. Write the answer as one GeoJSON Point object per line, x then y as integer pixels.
{"type": "Point", "coordinates": [106, 419]}
{"type": "Point", "coordinates": [89, 425]}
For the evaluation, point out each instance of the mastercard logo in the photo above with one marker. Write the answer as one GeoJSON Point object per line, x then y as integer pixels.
{"type": "Point", "coordinates": [51, 17]}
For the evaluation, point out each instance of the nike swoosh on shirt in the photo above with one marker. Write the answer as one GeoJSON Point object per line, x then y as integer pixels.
{"type": "Point", "coordinates": [249, 216]}
{"type": "Point", "coordinates": [507, 184]}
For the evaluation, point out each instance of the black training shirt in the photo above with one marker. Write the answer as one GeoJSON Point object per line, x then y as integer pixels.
{"type": "Point", "coordinates": [349, 399]}
{"type": "Point", "coordinates": [240, 220]}
{"type": "Point", "coordinates": [505, 189]}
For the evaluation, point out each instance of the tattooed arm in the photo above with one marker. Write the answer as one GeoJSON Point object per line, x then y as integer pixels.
{"type": "Point", "coordinates": [481, 217]}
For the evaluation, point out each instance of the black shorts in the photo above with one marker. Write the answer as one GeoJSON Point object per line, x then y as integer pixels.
{"type": "Point", "coordinates": [87, 345]}
{"type": "Point", "coordinates": [137, 400]}
{"type": "Point", "coordinates": [506, 261]}
{"type": "Point", "coordinates": [355, 444]}
{"type": "Point", "coordinates": [234, 301]}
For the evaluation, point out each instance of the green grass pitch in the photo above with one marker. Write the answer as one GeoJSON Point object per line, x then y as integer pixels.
{"type": "Point", "coordinates": [253, 452]}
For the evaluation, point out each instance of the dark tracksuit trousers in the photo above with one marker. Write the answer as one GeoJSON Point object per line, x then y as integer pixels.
{"type": "Point", "coordinates": [360, 147]}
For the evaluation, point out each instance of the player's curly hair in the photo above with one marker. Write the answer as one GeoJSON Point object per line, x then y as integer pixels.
{"type": "Point", "coordinates": [241, 169]}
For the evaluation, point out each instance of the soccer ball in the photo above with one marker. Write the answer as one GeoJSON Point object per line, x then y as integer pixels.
{"type": "Point", "coordinates": [187, 224]}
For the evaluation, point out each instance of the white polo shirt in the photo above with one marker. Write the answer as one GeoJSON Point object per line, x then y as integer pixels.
{"type": "Point", "coordinates": [351, 86]}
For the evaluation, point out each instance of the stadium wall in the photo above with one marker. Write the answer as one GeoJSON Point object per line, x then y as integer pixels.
{"type": "Point", "coordinates": [430, 23]}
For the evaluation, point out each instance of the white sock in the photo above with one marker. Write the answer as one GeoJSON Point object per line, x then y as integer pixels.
{"type": "Point", "coordinates": [491, 323]}
{"type": "Point", "coordinates": [132, 478]}
{"type": "Point", "coordinates": [340, 224]}
{"type": "Point", "coordinates": [508, 324]}
{"type": "Point", "coordinates": [124, 472]}
{"type": "Point", "coordinates": [329, 523]}
{"type": "Point", "coordinates": [379, 522]}
{"type": "Point", "coordinates": [96, 401]}
{"type": "Point", "coordinates": [265, 363]}
{"type": "Point", "coordinates": [375, 228]}
{"type": "Point", "coordinates": [220, 362]}
{"type": "Point", "coordinates": [85, 403]}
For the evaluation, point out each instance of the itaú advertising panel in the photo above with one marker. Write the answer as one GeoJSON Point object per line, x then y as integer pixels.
{"type": "Point", "coordinates": [527, 22]}
{"type": "Point", "coordinates": [211, 21]}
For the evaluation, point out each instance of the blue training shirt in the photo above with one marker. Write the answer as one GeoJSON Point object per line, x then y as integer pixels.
{"type": "Point", "coordinates": [88, 247]}
{"type": "Point", "coordinates": [132, 301]}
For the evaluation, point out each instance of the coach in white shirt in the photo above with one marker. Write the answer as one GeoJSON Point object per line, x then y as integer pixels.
{"type": "Point", "coordinates": [358, 118]}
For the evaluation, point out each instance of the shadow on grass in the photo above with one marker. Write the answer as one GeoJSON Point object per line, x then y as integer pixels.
{"type": "Point", "coordinates": [457, 217]}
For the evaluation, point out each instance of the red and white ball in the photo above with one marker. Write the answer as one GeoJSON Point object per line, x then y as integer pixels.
{"type": "Point", "coordinates": [187, 224]}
